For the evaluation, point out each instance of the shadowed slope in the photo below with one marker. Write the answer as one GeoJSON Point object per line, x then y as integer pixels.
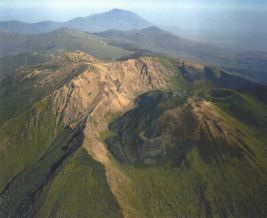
{"type": "Point", "coordinates": [170, 152]}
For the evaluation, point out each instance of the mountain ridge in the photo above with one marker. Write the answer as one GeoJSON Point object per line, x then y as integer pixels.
{"type": "Point", "coordinates": [125, 115]}
{"type": "Point", "coordinates": [135, 35]}
{"type": "Point", "coordinates": [251, 65]}
{"type": "Point", "coordinates": [64, 38]}
{"type": "Point", "coordinates": [119, 18]}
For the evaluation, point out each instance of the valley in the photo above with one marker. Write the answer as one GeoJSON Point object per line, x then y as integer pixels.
{"type": "Point", "coordinates": [110, 116]}
{"type": "Point", "coordinates": [143, 126]}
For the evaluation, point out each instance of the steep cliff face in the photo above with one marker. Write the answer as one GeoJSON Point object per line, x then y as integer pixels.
{"type": "Point", "coordinates": [178, 130]}
{"type": "Point", "coordinates": [57, 108]}
{"type": "Point", "coordinates": [114, 84]}
{"type": "Point", "coordinates": [107, 88]}
{"type": "Point", "coordinates": [143, 137]}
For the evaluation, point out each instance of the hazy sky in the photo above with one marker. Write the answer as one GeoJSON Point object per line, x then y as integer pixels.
{"type": "Point", "coordinates": [185, 14]}
{"type": "Point", "coordinates": [36, 10]}
{"type": "Point", "coordinates": [233, 21]}
{"type": "Point", "coordinates": [130, 3]}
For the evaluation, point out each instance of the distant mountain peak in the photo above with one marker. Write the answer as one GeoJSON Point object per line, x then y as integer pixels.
{"type": "Point", "coordinates": [119, 10]}
{"type": "Point", "coordinates": [114, 19]}
{"type": "Point", "coordinates": [113, 12]}
{"type": "Point", "coordinates": [152, 28]}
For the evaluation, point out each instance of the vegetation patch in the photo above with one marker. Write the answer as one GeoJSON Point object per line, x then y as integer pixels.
{"type": "Point", "coordinates": [80, 189]}
{"type": "Point", "coordinates": [221, 93]}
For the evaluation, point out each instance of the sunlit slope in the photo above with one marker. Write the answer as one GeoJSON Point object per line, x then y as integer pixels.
{"type": "Point", "coordinates": [143, 137]}
{"type": "Point", "coordinates": [40, 155]}
{"type": "Point", "coordinates": [200, 153]}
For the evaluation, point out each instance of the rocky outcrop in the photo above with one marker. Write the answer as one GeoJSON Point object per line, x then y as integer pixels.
{"type": "Point", "coordinates": [204, 157]}
{"type": "Point", "coordinates": [107, 88]}
{"type": "Point", "coordinates": [111, 85]}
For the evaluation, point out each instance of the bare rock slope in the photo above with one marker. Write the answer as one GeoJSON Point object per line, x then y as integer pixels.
{"type": "Point", "coordinates": [142, 137]}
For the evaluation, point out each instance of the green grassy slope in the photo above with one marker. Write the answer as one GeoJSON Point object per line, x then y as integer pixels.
{"type": "Point", "coordinates": [62, 39]}
{"type": "Point", "coordinates": [20, 89]}
{"type": "Point", "coordinates": [36, 147]}
{"type": "Point", "coordinates": [245, 107]}
{"type": "Point", "coordinates": [179, 168]}
{"type": "Point", "coordinates": [44, 172]}
{"type": "Point", "coordinates": [178, 165]}
{"type": "Point", "coordinates": [194, 149]}
{"type": "Point", "coordinates": [25, 138]}
{"type": "Point", "coordinates": [80, 189]}
{"type": "Point", "coordinates": [10, 63]}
